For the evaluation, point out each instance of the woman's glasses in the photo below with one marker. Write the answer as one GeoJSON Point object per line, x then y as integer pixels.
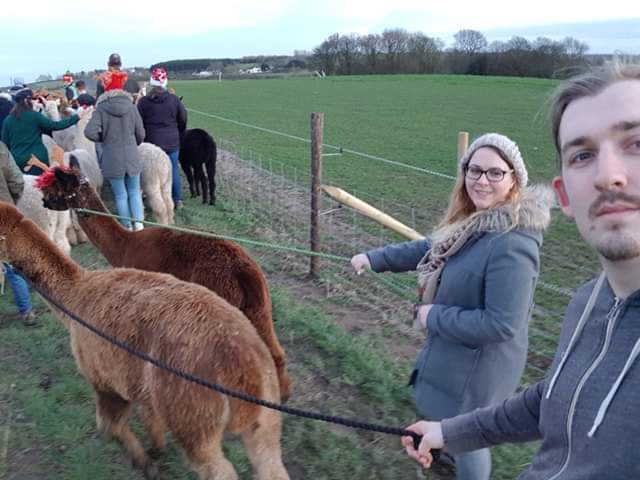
{"type": "Point", "coordinates": [494, 174]}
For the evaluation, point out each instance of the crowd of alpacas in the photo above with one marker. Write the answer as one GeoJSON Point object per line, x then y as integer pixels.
{"type": "Point", "coordinates": [186, 325]}
{"type": "Point", "coordinates": [197, 159]}
{"type": "Point", "coordinates": [199, 304]}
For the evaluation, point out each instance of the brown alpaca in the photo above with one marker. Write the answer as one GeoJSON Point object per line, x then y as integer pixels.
{"type": "Point", "coordinates": [220, 265]}
{"type": "Point", "coordinates": [184, 324]}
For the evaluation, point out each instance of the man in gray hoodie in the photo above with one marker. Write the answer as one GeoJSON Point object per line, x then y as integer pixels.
{"type": "Point", "coordinates": [586, 411]}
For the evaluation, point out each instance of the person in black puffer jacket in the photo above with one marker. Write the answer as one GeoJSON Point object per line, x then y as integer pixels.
{"type": "Point", "coordinates": [165, 120]}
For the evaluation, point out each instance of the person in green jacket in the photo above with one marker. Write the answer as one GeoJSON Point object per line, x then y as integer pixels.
{"type": "Point", "coordinates": [23, 128]}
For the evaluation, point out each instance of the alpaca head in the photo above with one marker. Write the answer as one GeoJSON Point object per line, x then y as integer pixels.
{"type": "Point", "coordinates": [10, 217]}
{"type": "Point", "coordinates": [60, 186]}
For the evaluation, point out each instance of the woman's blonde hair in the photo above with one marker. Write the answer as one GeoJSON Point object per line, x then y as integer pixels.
{"type": "Point", "coordinates": [460, 205]}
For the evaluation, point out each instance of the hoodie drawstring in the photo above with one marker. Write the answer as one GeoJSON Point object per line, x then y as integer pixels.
{"type": "Point", "coordinates": [602, 411]}
{"type": "Point", "coordinates": [576, 333]}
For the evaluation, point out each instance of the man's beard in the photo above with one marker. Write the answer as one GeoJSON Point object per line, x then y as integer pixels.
{"type": "Point", "coordinates": [619, 248]}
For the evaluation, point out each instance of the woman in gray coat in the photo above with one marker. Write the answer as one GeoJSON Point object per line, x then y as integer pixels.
{"type": "Point", "coordinates": [477, 274]}
{"type": "Point", "coordinates": [117, 124]}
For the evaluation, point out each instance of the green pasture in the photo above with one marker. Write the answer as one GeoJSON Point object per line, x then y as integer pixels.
{"type": "Point", "coordinates": [413, 119]}
{"type": "Point", "coordinates": [47, 427]}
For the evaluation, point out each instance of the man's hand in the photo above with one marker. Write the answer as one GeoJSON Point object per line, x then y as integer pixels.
{"type": "Point", "coordinates": [431, 439]}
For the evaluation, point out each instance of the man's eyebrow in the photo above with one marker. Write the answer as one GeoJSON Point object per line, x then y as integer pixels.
{"type": "Point", "coordinates": [623, 126]}
{"type": "Point", "coordinates": [626, 125]}
{"type": "Point", "coordinates": [574, 143]}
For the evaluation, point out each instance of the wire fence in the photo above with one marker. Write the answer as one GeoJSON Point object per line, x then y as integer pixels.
{"type": "Point", "coordinates": [274, 199]}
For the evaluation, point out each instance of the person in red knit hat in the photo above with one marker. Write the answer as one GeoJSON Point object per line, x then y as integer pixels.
{"type": "Point", "coordinates": [115, 78]}
{"type": "Point", "coordinates": [116, 126]}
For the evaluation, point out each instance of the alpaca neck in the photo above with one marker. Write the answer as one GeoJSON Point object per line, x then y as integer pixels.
{"type": "Point", "coordinates": [41, 261]}
{"type": "Point", "coordinates": [106, 233]}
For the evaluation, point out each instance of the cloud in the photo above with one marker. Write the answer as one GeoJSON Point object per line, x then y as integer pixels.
{"type": "Point", "coordinates": [447, 17]}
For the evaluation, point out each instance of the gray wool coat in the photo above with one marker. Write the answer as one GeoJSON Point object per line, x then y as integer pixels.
{"type": "Point", "coordinates": [477, 340]}
{"type": "Point", "coordinates": [117, 124]}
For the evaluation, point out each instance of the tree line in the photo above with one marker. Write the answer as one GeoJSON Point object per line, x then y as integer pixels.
{"type": "Point", "coordinates": [400, 51]}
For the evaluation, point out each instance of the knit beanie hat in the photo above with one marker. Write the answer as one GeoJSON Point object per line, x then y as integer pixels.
{"type": "Point", "coordinates": [23, 94]}
{"type": "Point", "coordinates": [506, 146]}
{"type": "Point", "coordinates": [158, 77]}
{"type": "Point", "coordinates": [113, 80]}
{"type": "Point", "coordinates": [67, 79]}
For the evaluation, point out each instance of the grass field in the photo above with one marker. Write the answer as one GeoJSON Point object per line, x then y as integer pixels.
{"type": "Point", "coordinates": [410, 119]}
{"type": "Point", "coordinates": [47, 428]}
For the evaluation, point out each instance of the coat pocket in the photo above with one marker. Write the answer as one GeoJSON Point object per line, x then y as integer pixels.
{"type": "Point", "coordinates": [447, 367]}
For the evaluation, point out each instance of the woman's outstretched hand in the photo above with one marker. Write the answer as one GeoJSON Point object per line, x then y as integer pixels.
{"type": "Point", "coordinates": [360, 263]}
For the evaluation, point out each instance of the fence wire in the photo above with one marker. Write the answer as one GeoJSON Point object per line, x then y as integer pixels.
{"type": "Point", "coordinates": [274, 199]}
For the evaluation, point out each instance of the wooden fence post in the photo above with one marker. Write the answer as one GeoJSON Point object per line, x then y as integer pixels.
{"type": "Point", "coordinates": [317, 132]}
{"type": "Point", "coordinates": [463, 143]}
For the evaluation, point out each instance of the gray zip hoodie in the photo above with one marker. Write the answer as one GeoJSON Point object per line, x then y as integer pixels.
{"type": "Point", "coordinates": [587, 410]}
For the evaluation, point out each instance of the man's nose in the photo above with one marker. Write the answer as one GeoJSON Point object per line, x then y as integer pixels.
{"type": "Point", "coordinates": [612, 169]}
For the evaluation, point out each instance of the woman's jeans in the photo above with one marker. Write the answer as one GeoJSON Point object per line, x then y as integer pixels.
{"type": "Point", "coordinates": [20, 289]}
{"type": "Point", "coordinates": [474, 465]}
{"type": "Point", "coordinates": [128, 198]}
{"type": "Point", "coordinates": [176, 186]}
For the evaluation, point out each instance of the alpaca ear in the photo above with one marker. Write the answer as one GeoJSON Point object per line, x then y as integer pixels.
{"type": "Point", "coordinates": [66, 179]}
{"type": "Point", "coordinates": [73, 162]}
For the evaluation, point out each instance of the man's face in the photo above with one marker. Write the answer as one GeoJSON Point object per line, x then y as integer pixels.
{"type": "Point", "coordinates": [599, 139]}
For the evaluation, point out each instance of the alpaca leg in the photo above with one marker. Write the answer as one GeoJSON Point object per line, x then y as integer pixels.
{"type": "Point", "coordinates": [189, 174]}
{"type": "Point", "coordinates": [207, 458]}
{"type": "Point", "coordinates": [165, 193]}
{"type": "Point", "coordinates": [202, 181]}
{"type": "Point", "coordinates": [112, 415]}
{"type": "Point", "coordinates": [82, 237]}
{"type": "Point", "coordinates": [196, 184]}
{"type": "Point", "coordinates": [157, 204]}
{"type": "Point", "coordinates": [60, 223]}
{"type": "Point", "coordinates": [79, 233]}
{"type": "Point", "coordinates": [260, 317]}
{"type": "Point", "coordinates": [72, 235]}
{"type": "Point", "coordinates": [262, 444]}
{"type": "Point", "coordinates": [155, 428]}
{"type": "Point", "coordinates": [211, 176]}
{"type": "Point", "coordinates": [267, 333]}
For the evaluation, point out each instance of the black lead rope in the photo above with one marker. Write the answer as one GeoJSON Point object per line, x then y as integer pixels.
{"type": "Point", "coordinates": [224, 390]}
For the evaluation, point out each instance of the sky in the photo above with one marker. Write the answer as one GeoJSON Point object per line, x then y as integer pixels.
{"type": "Point", "coordinates": [49, 37]}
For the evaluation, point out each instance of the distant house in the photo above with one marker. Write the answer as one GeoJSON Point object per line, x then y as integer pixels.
{"type": "Point", "coordinates": [203, 74]}
{"type": "Point", "coordinates": [253, 70]}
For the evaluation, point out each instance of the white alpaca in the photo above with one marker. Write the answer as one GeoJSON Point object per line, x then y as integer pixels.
{"type": "Point", "coordinates": [88, 165]}
{"type": "Point", "coordinates": [80, 141]}
{"type": "Point", "coordinates": [73, 138]}
{"type": "Point", "coordinates": [156, 181]}
{"type": "Point", "coordinates": [54, 223]}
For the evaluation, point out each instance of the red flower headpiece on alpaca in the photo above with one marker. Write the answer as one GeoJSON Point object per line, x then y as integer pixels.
{"type": "Point", "coordinates": [114, 80]}
{"type": "Point", "coordinates": [47, 178]}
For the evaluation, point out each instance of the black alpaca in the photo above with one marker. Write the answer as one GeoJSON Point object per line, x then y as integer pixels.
{"type": "Point", "coordinates": [198, 152]}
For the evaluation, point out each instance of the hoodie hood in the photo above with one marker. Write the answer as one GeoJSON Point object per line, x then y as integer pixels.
{"type": "Point", "coordinates": [158, 97]}
{"type": "Point", "coordinates": [115, 102]}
